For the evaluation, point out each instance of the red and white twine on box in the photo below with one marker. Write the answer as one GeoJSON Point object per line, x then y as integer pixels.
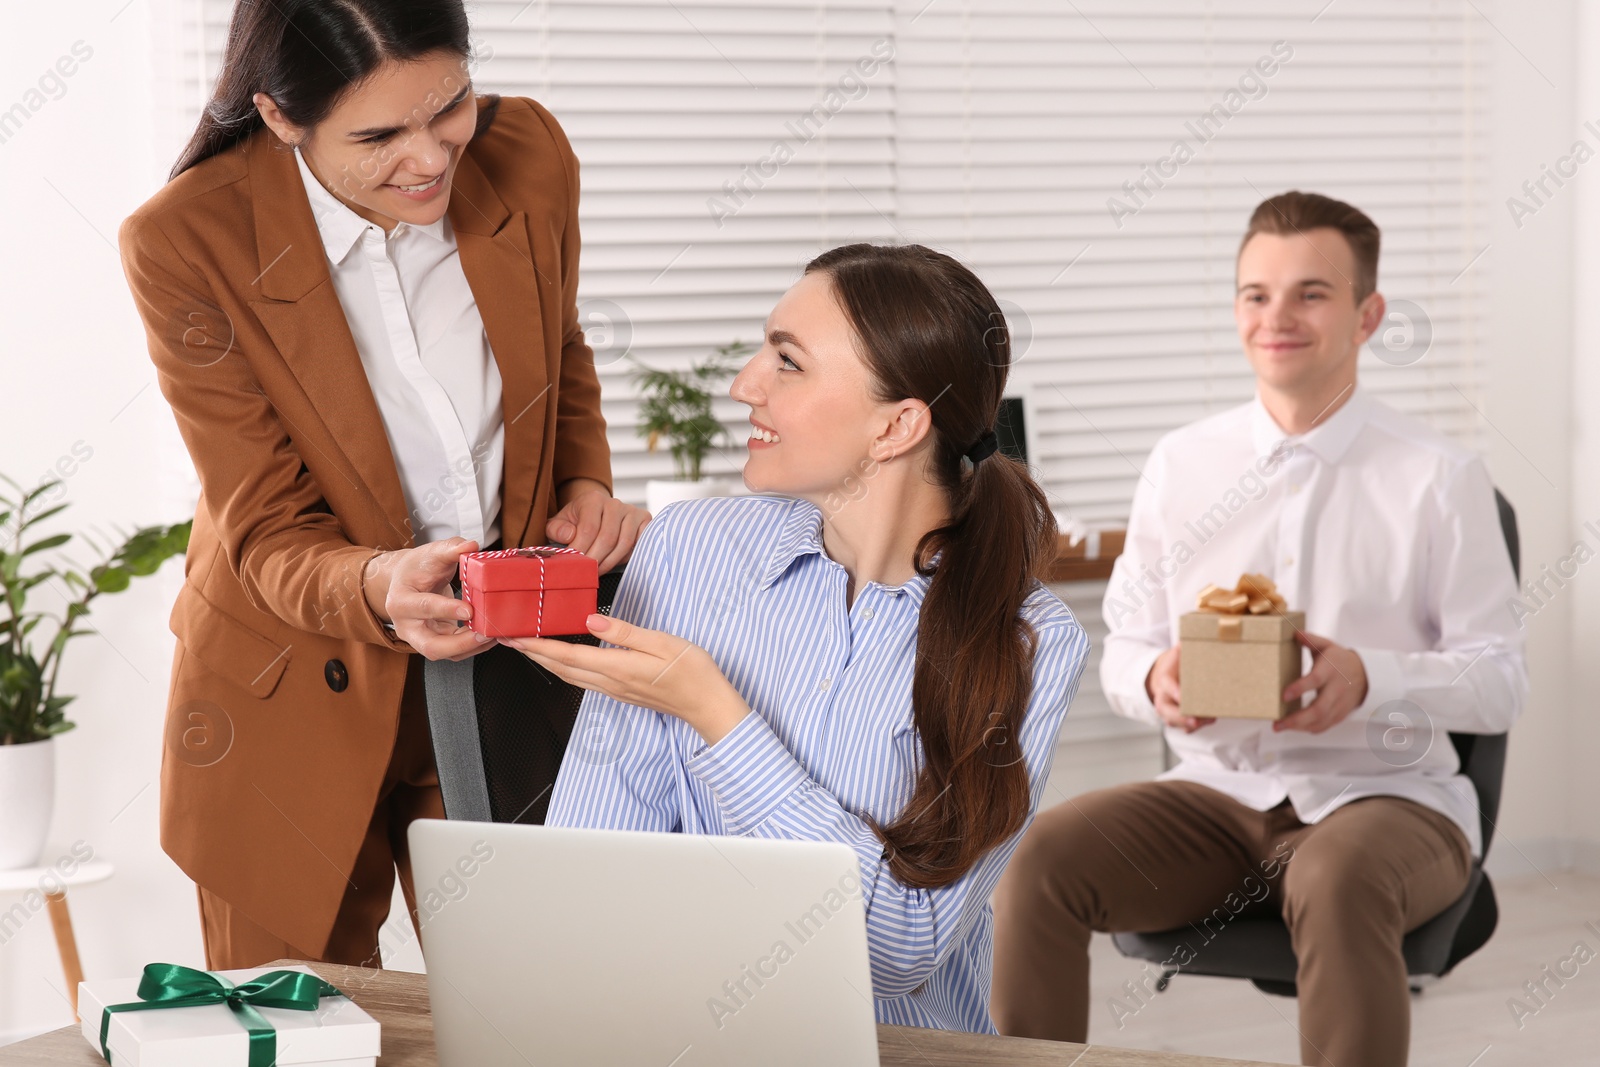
{"type": "Point", "coordinates": [540, 553]}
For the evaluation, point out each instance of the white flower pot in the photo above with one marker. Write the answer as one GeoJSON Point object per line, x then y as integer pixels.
{"type": "Point", "coordinates": [27, 799]}
{"type": "Point", "coordinates": [661, 492]}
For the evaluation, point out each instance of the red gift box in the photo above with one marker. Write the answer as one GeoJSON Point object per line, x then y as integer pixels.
{"type": "Point", "coordinates": [530, 592]}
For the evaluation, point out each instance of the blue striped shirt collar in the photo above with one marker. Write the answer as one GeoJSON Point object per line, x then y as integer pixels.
{"type": "Point", "coordinates": [801, 535]}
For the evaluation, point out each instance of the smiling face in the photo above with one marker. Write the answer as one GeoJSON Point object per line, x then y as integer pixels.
{"type": "Point", "coordinates": [816, 422]}
{"type": "Point", "coordinates": [391, 143]}
{"type": "Point", "coordinates": [1297, 313]}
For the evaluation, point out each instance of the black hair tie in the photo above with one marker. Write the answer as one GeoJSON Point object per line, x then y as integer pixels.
{"type": "Point", "coordinates": [985, 447]}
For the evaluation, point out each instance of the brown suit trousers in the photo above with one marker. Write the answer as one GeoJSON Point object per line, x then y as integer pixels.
{"type": "Point", "coordinates": [1159, 855]}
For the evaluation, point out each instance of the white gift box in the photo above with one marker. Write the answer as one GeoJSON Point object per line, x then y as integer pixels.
{"type": "Point", "coordinates": [337, 1034]}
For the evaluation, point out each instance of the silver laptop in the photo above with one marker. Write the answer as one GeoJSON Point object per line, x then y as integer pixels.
{"type": "Point", "coordinates": [549, 945]}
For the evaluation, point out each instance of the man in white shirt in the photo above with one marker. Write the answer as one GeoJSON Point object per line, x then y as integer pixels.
{"type": "Point", "coordinates": [1348, 816]}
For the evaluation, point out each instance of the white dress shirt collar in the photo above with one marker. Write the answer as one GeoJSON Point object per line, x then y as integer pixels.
{"type": "Point", "coordinates": [341, 227]}
{"type": "Point", "coordinates": [1328, 439]}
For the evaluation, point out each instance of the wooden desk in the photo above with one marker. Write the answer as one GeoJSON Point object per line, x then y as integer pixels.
{"type": "Point", "coordinates": [399, 1000]}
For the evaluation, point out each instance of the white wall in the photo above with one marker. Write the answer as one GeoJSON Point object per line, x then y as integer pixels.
{"type": "Point", "coordinates": [75, 373]}
{"type": "Point", "coordinates": [1583, 450]}
{"type": "Point", "coordinates": [75, 370]}
{"type": "Point", "coordinates": [1529, 376]}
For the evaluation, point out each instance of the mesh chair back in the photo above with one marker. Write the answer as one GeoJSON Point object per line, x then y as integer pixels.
{"type": "Point", "coordinates": [500, 725]}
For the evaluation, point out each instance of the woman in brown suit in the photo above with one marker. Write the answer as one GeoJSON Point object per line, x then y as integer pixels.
{"type": "Point", "coordinates": [359, 288]}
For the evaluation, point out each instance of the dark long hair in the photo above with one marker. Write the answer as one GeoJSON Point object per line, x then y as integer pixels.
{"type": "Point", "coordinates": [931, 330]}
{"type": "Point", "coordinates": [305, 53]}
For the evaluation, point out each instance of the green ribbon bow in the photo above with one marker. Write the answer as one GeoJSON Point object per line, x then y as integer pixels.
{"type": "Point", "coordinates": [169, 985]}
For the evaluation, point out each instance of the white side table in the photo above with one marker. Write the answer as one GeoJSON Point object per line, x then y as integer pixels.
{"type": "Point", "coordinates": [22, 879]}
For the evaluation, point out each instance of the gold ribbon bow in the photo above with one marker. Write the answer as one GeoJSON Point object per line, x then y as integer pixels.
{"type": "Point", "coordinates": [1255, 594]}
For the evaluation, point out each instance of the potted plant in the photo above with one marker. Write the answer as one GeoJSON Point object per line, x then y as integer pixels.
{"type": "Point", "coordinates": [677, 407]}
{"type": "Point", "coordinates": [31, 711]}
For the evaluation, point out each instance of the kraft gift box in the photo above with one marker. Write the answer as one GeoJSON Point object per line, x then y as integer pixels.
{"type": "Point", "coordinates": [1237, 666]}
{"type": "Point", "coordinates": [530, 592]}
{"type": "Point", "coordinates": [336, 1034]}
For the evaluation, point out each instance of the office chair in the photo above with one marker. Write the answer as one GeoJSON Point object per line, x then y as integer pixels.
{"type": "Point", "coordinates": [1258, 947]}
{"type": "Point", "coordinates": [499, 726]}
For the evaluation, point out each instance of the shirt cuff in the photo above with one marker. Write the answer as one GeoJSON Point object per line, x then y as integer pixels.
{"type": "Point", "coordinates": [1139, 671]}
{"type": "Point", "coordinates": [1385, 681]}
{"type": "Point", "coordinates": [750, 773]}
{"type": "Point", "coordinates": [384, 631]}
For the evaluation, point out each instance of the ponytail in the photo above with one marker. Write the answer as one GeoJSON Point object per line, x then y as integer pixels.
{"type": "Point", "coordinates": [931, 330]}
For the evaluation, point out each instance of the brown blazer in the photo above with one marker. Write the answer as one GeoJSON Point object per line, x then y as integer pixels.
{"type": "Point", "coordinates": [269, 776]}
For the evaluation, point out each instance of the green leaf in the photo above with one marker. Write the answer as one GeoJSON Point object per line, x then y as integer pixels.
{"type": "Point", "coordinates": [110, 579]}
{"type": "Point", "coordinates": [36, 492]}
{"type": "Point", "coordinates": [20, 674]}
{"type": "Point", "coordinates": [147, 549]}
{"type": "Point", "coordinates": [43, 515]}
{"type": "Point", "coordinates": [49, 542]}
{"type": "Point", "coordinates": [28, 581]}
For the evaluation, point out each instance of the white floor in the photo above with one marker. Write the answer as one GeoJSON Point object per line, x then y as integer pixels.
{"type": "Point", "coordinates": [1464, 1019]}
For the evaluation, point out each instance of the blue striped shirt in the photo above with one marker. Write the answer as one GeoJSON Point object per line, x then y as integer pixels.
{"type": "Point", "coordinates": [830, 736]}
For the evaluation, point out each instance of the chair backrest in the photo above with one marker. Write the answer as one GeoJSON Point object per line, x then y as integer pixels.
{"type": "Point", "coordinates": [500, 723]}
{"type": "Point", "coordinates": [1483, 756]}
{"type": "Point", "coordinates": [511, 744]}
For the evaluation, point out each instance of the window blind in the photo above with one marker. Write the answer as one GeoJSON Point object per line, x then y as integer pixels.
{"type": "Point", "coordinates": [1096, 162]}
{"type": "Point", "coordinates": [725, 142]}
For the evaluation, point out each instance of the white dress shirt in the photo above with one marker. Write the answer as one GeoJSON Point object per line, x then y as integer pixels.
{"type": "Point", "coordinates": [1386, 535]}
{"type": "Point", "coordinates": [427, 358]}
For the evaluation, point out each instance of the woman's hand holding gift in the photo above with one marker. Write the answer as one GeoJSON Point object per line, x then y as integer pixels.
{"type": "Point", "coordinates": [650, 668]}
{"type": "Point", "coordinates": [596, 523]}
{"type": "Point", "coordinates": [409, 588]}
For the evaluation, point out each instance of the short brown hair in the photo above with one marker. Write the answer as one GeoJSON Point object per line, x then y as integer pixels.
{"type": "Point", "coordinates": [1297, 212]}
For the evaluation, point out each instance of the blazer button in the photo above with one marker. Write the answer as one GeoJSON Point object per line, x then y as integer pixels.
{"type": "Point", "coordinates": [337, 677]}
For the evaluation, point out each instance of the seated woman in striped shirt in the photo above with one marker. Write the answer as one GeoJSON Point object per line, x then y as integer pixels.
{"type": "Point", "coordinates": [863, 654]}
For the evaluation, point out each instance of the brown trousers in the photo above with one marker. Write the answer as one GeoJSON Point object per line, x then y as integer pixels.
{"type": "Point", "coordinates": [1159, 855]}
{"type": "Point", "coordinates": [410, 791]}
